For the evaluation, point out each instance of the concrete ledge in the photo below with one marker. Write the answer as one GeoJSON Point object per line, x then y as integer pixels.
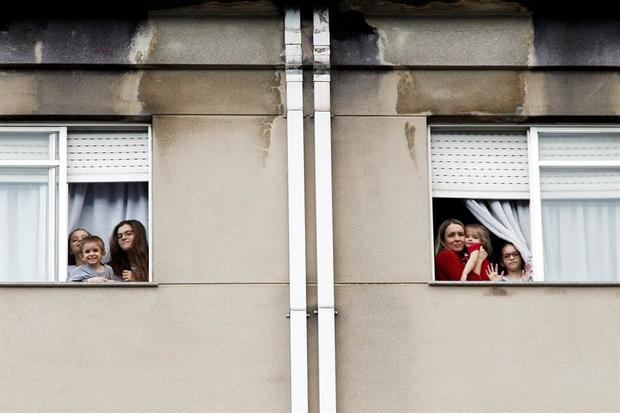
{"type": "Point", "coordinates": [523, 284]}
{"type": "Point", "coordinates": [62, 284]}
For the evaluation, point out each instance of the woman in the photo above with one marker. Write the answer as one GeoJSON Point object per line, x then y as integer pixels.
{"type": "Point", "coordinates": [513, 267]}
{"type": "Point", "coordinates": [75, 258]}
{"type": "Point", "coordinates": [450, 256]}
{"type": "Point", "coordinates": [129, 251]}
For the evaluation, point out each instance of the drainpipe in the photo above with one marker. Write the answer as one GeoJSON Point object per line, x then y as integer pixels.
{"type": "Point", "coordinates": [296, 212]}
{"type": "Point", "coordinates": [324, 214]}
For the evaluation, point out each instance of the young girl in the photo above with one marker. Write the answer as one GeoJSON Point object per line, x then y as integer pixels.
{"type": "Point", "coordinates": [92, 251]}
{"type": "Point", "coordinates": [512, 265]}
{"type": "Point", "coordinates": [476, 236]}
{"type": "Point", "coordinates": [129, 251]}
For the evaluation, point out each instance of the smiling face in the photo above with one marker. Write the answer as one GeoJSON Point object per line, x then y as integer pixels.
{"type": "Point", "coordinates": [472, 236]}
{"type": "Point", "coordinates": [76, 238]}
{"type": "Point", "coordinates": [125, 235]}
{"type": "Point", "coordinates": [511, 259]}
{"type": "Point", "coordinates": [454, 237]}
{"type": "Point", "coordinates": [92, 252]}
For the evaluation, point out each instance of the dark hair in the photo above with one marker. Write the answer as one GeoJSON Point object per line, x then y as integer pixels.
{"type": "Point", "coordinates": [92, 238]}
{"type": "Point", "coordinates": [441, 233]}
{"type": "Point", "coordinates": [138, 256]}
{"type": "Point", "coordinates": [71, 257]}
{"type": "Point", "coordinates": [501, 255]}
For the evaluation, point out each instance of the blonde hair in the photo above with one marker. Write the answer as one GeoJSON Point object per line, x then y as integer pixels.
{"type": "Point", "coordinates": [483, 233]}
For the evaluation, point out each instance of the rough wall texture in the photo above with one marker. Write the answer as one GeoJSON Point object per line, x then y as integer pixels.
{"type": "Point", "coordinates": [212, 336]}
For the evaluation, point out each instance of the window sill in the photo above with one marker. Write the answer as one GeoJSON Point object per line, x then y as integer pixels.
{"type": "Point", "coordinates": [524, 284]}
{"type": "Point", "coordinates": [62, 284]}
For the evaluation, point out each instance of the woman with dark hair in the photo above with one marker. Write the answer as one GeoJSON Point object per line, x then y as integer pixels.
{"type": "Point", "coordinates": [512, 266]}
{"type": "Point", "coordinates": [450, 255]}
{"type": "Point", "coordinates": [74, 259]}
{"type": "Point", "coordinates": [129, 251]}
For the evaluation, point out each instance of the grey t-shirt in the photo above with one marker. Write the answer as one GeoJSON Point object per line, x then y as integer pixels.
{"type": "Point", "coordinates": [84, 272]}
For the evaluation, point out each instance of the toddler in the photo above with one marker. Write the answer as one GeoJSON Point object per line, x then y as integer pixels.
{"type": "Point", "coordinates": [476, 236]}
{"type": "Point", "coordinates": [92, 250]}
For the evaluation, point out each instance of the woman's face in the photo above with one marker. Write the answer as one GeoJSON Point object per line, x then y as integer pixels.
{"type": "Point", "coordinates": [125, 236]}
{"type": "Point", "coordinates": [511, 258]}
{"type": "Point", "coordinates": [77, 237]}
{"type": "Point", "coordinates": [454, 237]}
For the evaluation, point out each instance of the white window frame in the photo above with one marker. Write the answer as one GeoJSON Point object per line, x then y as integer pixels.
{"type": "Point", "coordinates": [535, 165]}
{"type": "Point", "coordinates": [58, 201]}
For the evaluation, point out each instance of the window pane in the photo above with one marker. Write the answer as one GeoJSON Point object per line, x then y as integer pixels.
{"type": "Point", "coordinates": [580, 183]}
{"type": "Point", "coordinates": [24, 238]}
{"type": "Point", "coordinates": [98, 207]}
{"type": "Point", "coordinates": [581, 239]}
{"type": "Point", "coordinates": [26, 146]}
{"type": "Point", "coordinates": [579, 147]}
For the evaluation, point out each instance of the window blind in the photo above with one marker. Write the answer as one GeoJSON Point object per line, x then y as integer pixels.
{"type": "Point", "coordinates": [105, 156]}
{"type": "Point", "coordinates": [479, 164]}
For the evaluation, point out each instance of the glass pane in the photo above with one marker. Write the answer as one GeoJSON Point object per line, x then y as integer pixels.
{"type": "Point", "coordinates": [23, 219]}
{"type": "Point", "coordinates": [99, 207]}
{"type": "Point", "coordinates": [26, 146]}
{"type": "Point", "coordinates": [579, 146]}
{"type": "Point", "coordinates": [581, 239]}
{"type": "Point", "coordinates": [581, 183]}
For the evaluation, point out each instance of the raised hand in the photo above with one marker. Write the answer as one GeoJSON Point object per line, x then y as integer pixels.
{"type": "Point", "coordinates": [492, 272]}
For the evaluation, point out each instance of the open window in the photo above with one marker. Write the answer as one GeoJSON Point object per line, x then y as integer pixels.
{"type": "Point", "coordinates": [552, 192]}
{"type": "Point", "coordinates": [54, 179]}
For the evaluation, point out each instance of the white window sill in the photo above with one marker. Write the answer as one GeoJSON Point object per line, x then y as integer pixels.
{"type": "Point", "coordinates": [524, 284]}
{"type": "Point", "coordinates": [62, 284]}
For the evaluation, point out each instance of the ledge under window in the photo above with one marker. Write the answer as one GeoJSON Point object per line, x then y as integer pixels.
{"type": "Point", "coordinates": [27, 284]}
{"type": "Point", "coordinates": [524, 284]}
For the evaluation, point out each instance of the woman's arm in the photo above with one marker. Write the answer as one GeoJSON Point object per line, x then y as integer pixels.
{"type": "Point", "coordinates": [448, 266]}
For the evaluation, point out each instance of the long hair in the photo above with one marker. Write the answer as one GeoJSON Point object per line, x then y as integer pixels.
{"type": "Point", "coordinates": [441, 233]}
{"type": "Point", "coordinates": [71, 257]}
{"type": "Point", "coordinates": [501, 256]}
{"type": "Point", "coordinates": [138, 255]}
{"type": "Point", "coordinates": [485, 236]}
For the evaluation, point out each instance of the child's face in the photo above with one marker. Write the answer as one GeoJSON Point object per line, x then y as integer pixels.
{"type": "Point", "coordinates": [92, 253]}
{"type": "Point", "coordinates": [472, 237]}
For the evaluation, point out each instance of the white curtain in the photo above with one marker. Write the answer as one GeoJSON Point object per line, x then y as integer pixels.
{"type": "Point", "coordinates": [581, 239]}
{"type": "Point", "coordinates": [23, 235]}
{"type": "Point", "coordinates": [98, 207]}
{"type": "Point", "coordinates": [509, 220]}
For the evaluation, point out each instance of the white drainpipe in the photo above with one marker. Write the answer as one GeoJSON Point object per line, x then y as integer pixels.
{"type": "Point", "coordinates": [324, 214]}
{"type": "Point", "coordinates": [296, 212]}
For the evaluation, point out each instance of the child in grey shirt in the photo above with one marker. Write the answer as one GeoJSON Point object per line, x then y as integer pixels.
{"type": "Point", "coordinates": [92, 250]}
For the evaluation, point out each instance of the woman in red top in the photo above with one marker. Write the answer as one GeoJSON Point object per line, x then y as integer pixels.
{"type": "Point", "coordinates": [450, 252]}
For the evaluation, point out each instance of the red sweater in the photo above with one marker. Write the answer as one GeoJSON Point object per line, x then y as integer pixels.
{"type": "Point", "coordinates": [449, 266]}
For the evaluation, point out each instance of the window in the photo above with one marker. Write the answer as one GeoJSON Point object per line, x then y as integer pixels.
{"type": "Point", "coordinates": [56, 178]}
{"type": "Point", "coordinates": [553, 192]}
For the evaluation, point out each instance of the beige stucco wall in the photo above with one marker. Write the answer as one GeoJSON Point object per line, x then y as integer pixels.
{"type": "Point", "coordinates": [213, 335]}
{"type": "Point", "coordinates": [220, 199]}
{"type": "Point", "coordinates": [173, 348]}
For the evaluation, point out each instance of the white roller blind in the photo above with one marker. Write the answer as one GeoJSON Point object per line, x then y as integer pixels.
{"type": "Point", "coordinates": [106, 156]}
{"type": "Point", "coordinates": [580, 183]}
{"type": "Point", "coordinates": [479, 164]}
{"type": "Point", "coordinates": [579, 146]}
{"type": "Point", "coordinates": [25, 146]}
{"type": "Point", "coordinates": [579, 165]}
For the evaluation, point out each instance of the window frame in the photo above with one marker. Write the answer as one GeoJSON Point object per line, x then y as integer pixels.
{"type": "Point", "coordinates": [533, 132]}
{"type": "Point", "coordinates": [59, 188]}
